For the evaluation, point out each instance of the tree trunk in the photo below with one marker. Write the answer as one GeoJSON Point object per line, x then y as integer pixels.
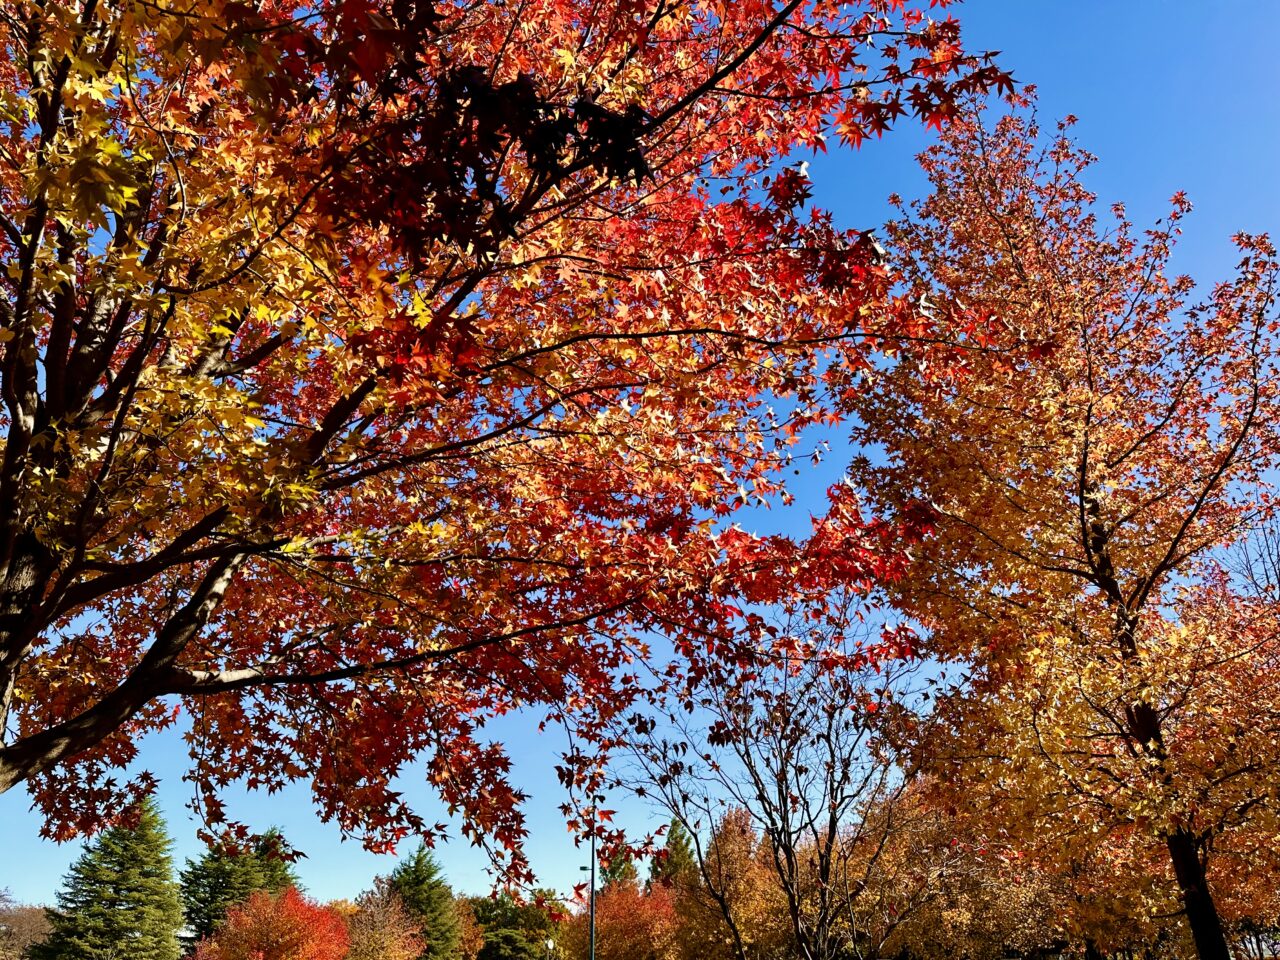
{"type": "Point", "coordinates": [1184, 850]}
{"type": "Point", "coordinates": [1202, 914]}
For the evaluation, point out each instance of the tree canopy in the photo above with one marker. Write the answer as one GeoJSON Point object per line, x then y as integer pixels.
{"type": "Point", "coordinates": [370, 367]}
{"type": "Point", "coordinates": [21, 927]}
{"type": "Point", "coordinates": [1095, 447]}
{"type": "Point", "coordinates": [382, 928]}
{"type": "Point", "coordinates": [283, 926]}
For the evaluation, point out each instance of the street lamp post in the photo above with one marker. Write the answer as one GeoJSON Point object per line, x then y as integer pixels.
{"type": "Point", "coordinates": [591, 900]}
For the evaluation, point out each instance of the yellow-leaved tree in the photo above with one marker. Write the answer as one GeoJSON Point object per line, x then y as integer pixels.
{"type": "Point", "coordinates": [1084, 456]}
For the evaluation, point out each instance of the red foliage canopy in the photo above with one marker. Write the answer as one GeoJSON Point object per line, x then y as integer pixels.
{"type": "Point", "coordinates": [373, 367]}
{"type": "Point", "coordinates": [287, 926]}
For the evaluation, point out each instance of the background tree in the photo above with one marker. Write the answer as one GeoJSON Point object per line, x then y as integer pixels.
{"type": "Point", "coordinates": [284, 926]}
{"type": "Point", "coordinates": [506, 943]}
{"type": "Point", "coordinates": [119, 898]}
{"type": "Point", "coordinates": [992, 910]}
{"type": "Point", "coordinates": [676, 865]}
{"type": "Point", "coordinates": [381, 927]}
{"type": "Point", "coordinates": [733, 908]}
{"type": "Point", "coordinates": [535, 918]}
{"type": "Point", "coordinates": [225, 876]}
{"type": "Point", "coordinates": [676, 869]}
{"type": "Point", "coordinates": [621, 869]}
{"type": "Point", "coordinates": [631, 924]}
{"type": "Point", "coordinates": [275, 860]}
{"type": "Point", "coordinates": [947, 881]}
{"type": "Point", "coordinates": [365, 365]}
{"type": "Point", "coordinates": [1095, 447]}
{"type": "Point", "coordinates": [21, 927]}
{"type": "Point", "coordinates": [795, 741]}
{"type": "Point", "coordinates": [894, 861]}
{"type": "Point", "coordinates": [470, 934]}
{"type": "Point", "coordinates": [418, 883]}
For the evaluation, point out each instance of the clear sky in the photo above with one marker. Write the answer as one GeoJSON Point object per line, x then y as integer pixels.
{"type": "Point", "coordinates": [1171, 95]}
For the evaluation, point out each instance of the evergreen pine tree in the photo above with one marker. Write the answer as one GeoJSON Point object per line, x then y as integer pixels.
{"type": "Point", "coordinates": [224, 878]}
{"type": "Point", "coordinates": [119, 901]}
{"type": "Point", "coordinates": [430, 901]}
{"type": "Point", "coordinates": [620, 870]}
{"type": "Point", "coordinates": [678, 865]}
{"type": "Point", "coordinates": [272, 852]}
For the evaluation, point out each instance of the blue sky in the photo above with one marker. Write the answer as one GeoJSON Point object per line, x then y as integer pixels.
{"type": "Point", "coordinates": [1171, 95]}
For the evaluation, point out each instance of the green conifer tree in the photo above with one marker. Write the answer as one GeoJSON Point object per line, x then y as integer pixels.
{"type": "Point", "coordinates": [224, 878]}
{"type": "Point", "coordinates": [679, 864]}
{"type": "Point", "coordinates": [119, 901]}
{"type": "Point", "coordinates": [620, 870]}
{"type": "Point", "coordinates": [507, 944]}
{"type": "Point", "coordinates": [430, 901]}
{"type": "Point", "coordinates": [272, 853]}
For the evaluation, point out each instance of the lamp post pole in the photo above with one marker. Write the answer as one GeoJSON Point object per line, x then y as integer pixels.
{"type": "Point", "coordinates": [591, 899]}
{"type": "Point", "coordinates": [593, 888]}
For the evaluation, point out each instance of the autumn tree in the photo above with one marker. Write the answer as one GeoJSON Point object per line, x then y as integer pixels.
{"type": "Point", "coordinates": [631, 924]}
{"type": "Point", "coordinates": [470, 934]}
{"type": "Point", "coordinates": [734, 908]}
{"type": "Point", "coordinates": [800, 741]}
{"type": "Point", "coordinates": [284, 926]}
{"type": "Point", "coordinates": [21, 927]}
{"type": "Point", "coordinates": [225, 876]}
{"type": "Point", "coordinates": [991, 910]}
{"type": "Point", "coordinates": [369, 366]}
{"type": "Point", "coordinates": [382, 928]}
{"type": "Point", "coordinates": [119, 896]}
{"type": "Point", "coordinates": [1084, 458]}
{"type": "Point", "coordinates": [949, 881]}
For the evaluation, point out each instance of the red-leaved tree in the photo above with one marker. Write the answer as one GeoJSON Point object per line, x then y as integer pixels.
{"type": "Point", "coordinates": [284, 926]}
{"type": "Point", "coordinates": [372, 367]}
